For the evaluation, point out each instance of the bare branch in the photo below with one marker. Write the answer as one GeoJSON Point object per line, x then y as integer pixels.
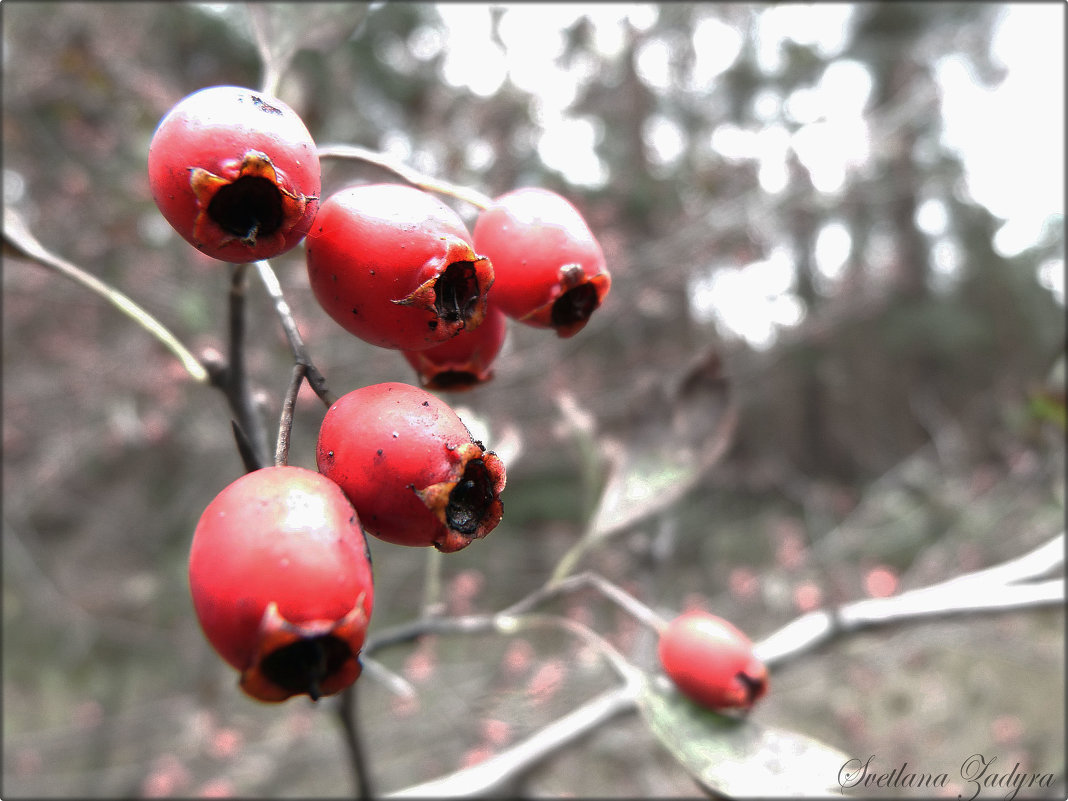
{"type": "Point", "coordinates": [237, 388]}
{"type": "Point", "coordinates": [18, 235]}
{"type": "Point", "coordinates": [316, 380]}
{"type": "Point", "coordinates": [1003, 587]}
{"type": "Point", "coordinates": [285, 424]}
{"type": "Point", "coordinates": [492, 775]}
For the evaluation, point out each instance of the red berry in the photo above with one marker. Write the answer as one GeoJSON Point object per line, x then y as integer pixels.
{"type": "Point", "coordinates": [395, 266]}
{"type": "Point", "coordinates": [465, 360]}
{"type": "Point", "coordinates": [410, 467]}
{"type": "Point", "coordinates": [712, 662]}
{"type": "Point", "coordinates": [281, 582]}
{"type": "Point", "coordinates": [550, 271]}
{"type": "Point", "coordinates": [236, 173]}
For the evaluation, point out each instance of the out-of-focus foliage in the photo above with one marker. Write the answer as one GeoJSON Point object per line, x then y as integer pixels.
{"type": "Point", "coordinates": [904, 420]}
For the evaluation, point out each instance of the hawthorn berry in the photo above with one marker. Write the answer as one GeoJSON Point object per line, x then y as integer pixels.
{"type": "Point", "coordinates": [411, 467]}
{"type": "Point", "coordinates": [711, 661]}
{"type": "Point", "coordinates": [550, 270]}
{"type": "Point", "coordinates": [396, 267]}
{"type": "Point", "coordinates": [464, 361]}
{"type": "Point", "coordinates": [236, 173]}
{"type": "Point", "coordinates": [281, 582]}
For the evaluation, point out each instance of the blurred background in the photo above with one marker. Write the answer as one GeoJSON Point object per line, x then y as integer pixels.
{"type": "Point", "coordinates": [850, 215]}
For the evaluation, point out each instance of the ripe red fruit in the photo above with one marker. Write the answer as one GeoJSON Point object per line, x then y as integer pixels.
{"type": "Point", "coordinates": [281, 582]}
{"type": "Point", "coordinates": [410, 467]}
{"type": "Point", "coordinates": [712, 662]}
{"type": "Point", "coordinates": [550, 270]}
{"type": "Point", "coordinates": [464, 361]}
{"type": "Point", "coordinates": [236, 173]}
{"type": "Point", "coordinates": [395, 266]}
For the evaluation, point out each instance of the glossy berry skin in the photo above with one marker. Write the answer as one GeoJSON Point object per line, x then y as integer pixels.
{"type": "Point", "coordinates": [410, 467]}
{"type": "Point", "coordinates": [712, 662]}
{"type": "Point", "coordinates": [550, 270]}
{"type": "Point", "coordinates": [395, 266]}
{"type": "Point", "coordinates": [236, 173]}
{"type": "Point", "coordinates": [281, 582]}
{"type": "Point", "coordinates": [466, 360]}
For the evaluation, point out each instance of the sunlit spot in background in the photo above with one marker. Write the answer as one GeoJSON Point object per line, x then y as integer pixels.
{"type": "Point", "coordinates": [751, 302]}
{"type": "Point", "coordinates": [1012, 143]}
{"type": "Point", "coordinates": [834, 245]}
{"type": "Point", "coordinates": [1011, 146]}
{"type": "Point", "coordinates": [664, 138]}
{"type": "Point", "coordinates": [716, 46]}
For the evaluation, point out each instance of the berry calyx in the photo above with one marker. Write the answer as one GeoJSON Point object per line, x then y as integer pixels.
{"type": "Point", "coordinates": [550, 270]}
{"type": "Point", "coordinates": [396, 267]}
{"type": "Point", "coordinates": [236, 173]}
{"type": "Point", "coordinates": [281, 582]}
{"type": "Point", "coordinates": [411, 467]}
{"type": "Point", "coordinates": [466, 360]}
{"type": "Point", "coordinates": [712, 662]}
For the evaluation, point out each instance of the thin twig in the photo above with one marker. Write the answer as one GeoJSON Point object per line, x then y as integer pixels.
{"type": "Point", "coordinates": [409, 174]}
{"type": "Point", "coordinates": [285, 424]}
{"type": "Point", "coordinates": [18, 235]}
{"type": "Point", "coordinates": [274, 63]}
{"type": "Point", "coordinates": [513, 625]}
{"type": "Point", "coordinates": [316, 380]}
{"type": "Point", "coordinates": [347, 717]}
{"type": "Point", "coordinates": [492, 775]}
{"type": "Point", "coordinates": [616, 594]}
{"type": "Point", "coordinates": [237, 386]}
{"type": "Point", "coordinates": [433, 604]}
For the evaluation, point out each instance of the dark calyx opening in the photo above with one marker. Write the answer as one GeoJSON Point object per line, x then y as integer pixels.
{"type": "Point", "coordinates": [301, 666]}
{"type": "Point", "coordinates": [456, 292]}
{"type": "Point", "coordinates": [470, 499]}
{"type": "Point", "coordinates": [249, 207]}
{"type": "Point", "coordinates": [454, 379]}
{"type": "Point", "coordinates": [754, 688]}
{"type": "Point", "coordinates": [574, 306]}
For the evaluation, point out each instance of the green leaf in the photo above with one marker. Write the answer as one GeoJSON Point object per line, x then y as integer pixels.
{"type": "Point", "coordinates": [737, 756]}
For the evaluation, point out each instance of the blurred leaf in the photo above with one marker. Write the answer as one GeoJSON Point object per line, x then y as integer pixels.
{"type": "Point", "coordinates": [665, 459]}
{"type": "Point", "coordinates": [739, 757]}
{"type": "Point", "coordinates": [642, 483]}
{"type": "Point", "coordinates": [1049, 405]}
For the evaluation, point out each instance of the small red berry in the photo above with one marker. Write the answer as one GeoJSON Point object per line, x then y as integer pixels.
{"type": "Point", "coordinates": [395, 266]}
{"type": "Point", "coordinates": [236, 173]}
{"type": "Point", "coordinates": [712, 662]}
{"type": "Point", "coordinates": [410, 467]}
{"type": "Point", "coordinates": [550, 270]}
{"type": "Point", "coordinates": [281, 582]}
{"type": "Point", "coordinates": [464, 361]}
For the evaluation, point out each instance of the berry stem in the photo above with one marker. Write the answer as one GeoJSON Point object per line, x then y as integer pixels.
{"type": "Point", "coordinates": [236, 387]}
{"type": "Point", "coordinates": [316, 380]}
{"type": "Point", "coordinates": [412, 176]}
{"type": "Point", "coordinates": [285, 424]}
{"type": "Point", "coordinates": [623, 599]}
{"type": "Point", "coordinates": [18, 235]}
{"type": "Point", "coordinates": [347, 717]}
{"type": "Point", "coordinates": [432, 604]}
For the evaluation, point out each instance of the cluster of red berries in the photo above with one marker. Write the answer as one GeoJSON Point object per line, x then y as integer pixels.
{"type": "Point", "coordinates": [279, 568]}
